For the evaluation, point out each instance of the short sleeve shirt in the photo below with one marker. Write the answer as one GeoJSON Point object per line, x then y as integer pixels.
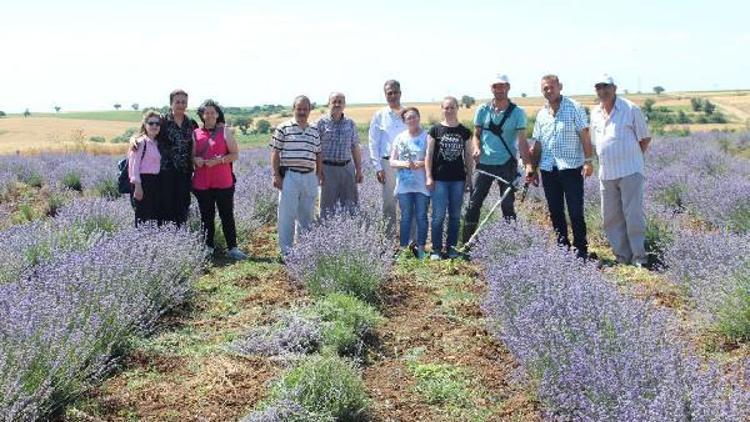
{"type": "Point", "coordinates": [493, 151]}
{"type": "Point", "coordinates": [337, 138]}
{"type": "Point", "coordinates": [298, 147]}
{"type": "Point", "coordinates": [616, 138]}
{"type": "Point", "coordinates": [411, 148]}
{"type": "Point", "coordinates": [448, 155]}
{"type": "Point", "coordinates": [560, 135]}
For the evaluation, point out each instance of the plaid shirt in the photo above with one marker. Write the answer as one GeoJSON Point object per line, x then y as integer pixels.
{"type": "Point", "coordinates": [560, 135]}
{"type": "Point", "coordinates": [337, 138]}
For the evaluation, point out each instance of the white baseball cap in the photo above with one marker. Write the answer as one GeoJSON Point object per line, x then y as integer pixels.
{"type": "Point", "coordinates": [500, 78]}
{"type": "Point", "coordinates": [605, 78]}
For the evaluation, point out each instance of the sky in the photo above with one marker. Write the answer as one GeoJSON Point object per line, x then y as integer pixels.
{"type": "Point", "coordinates": [89, 55]}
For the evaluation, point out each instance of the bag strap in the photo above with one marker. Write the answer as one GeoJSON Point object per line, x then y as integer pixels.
{"type": "Point", "coordinates": [499, 133]}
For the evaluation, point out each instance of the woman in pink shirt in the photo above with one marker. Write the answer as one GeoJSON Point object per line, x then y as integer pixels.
{"type": "Point", "coordinates": [214, 150]}
{"type": "Point", "coordinates": [143, 168]}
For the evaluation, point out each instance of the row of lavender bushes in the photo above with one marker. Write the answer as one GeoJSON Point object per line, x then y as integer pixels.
{"type": "Point", "coordinates": [697, 202]}
{"type": "Point", "coordinates": [342, 262]}
{"type": "Point", "coordinates": [74, 290]}
{"type": "Point", "coordinates": [592, 352]}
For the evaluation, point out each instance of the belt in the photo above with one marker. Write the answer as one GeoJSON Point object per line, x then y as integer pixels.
{"type": "Point", "coordinates": [336, 163]}
{"type": "Point", "coordinates": [300, 171]}
{"type": "Point", "coordinates": [387, 157]}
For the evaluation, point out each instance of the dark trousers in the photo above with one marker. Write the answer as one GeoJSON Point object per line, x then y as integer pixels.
{"type": "Point", "coordinates": [563, 187]}
{"type": "Point", "coordinates": [208, 201]}
{"type": "Point", "coordinates": [482, 185]}
{"type": "Point", "coordinates": [148, 208]}
{"type": "Point", "coordinates": [176, 187]}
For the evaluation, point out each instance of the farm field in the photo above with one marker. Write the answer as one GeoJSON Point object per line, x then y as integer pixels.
{"type": "Point", "coordinates": [72, 131]}
{"type": "Point", "coordinates": [349, 328]}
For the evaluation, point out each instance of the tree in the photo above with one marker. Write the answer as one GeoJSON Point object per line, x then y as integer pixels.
{"type": "Point", "coordinates": [709, 107]}
{"type": "Point", "coordinates": [117, 106]}
{"type": "Point", "coordinates": [26, 113]}
{"type": "Point", "coordinates": [243, 123]}
{"type": "Point", "coordinates": [682, 117]}
{"type": "Point", "coordinates": [467, 101]}
{"type": "Point", "coordinates": [135, 106]}
{"type": "Point", "coordinates": [523, 95]}
{"type": "Point", "coordinates": [658, 89]}
{"type": "Point", "coordinates": [2, 113]}
{"type": "Point", "coordinates": [57, 109]}
{"type": "Point", "coordinates": [648, 105]}
{"type": "Point", "coordinates": [263, 126]}
{"type": "Point", "coordinates": [696, 104]}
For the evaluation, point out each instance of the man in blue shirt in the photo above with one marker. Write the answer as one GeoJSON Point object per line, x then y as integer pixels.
{"type": "Point", "coordinates": [562, 132]}
{"type": "Point", "coordinates": [496, 143]}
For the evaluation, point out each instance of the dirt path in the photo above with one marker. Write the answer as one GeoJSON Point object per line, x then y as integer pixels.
{"type": "Point", "coordinates": [433, 312]}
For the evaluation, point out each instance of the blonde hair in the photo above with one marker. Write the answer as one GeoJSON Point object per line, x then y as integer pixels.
{"type": "Point", "coordinates": [147, 115]}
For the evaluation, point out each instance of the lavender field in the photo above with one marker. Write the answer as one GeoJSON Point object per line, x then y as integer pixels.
{"type": "Point", "coordinates": [97, 328]}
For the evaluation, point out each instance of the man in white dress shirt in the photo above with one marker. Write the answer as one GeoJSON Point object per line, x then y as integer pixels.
{"type": "Point", "coordinates": [621, 136]}
{"type": "Point", "coordinates": [386, 124]}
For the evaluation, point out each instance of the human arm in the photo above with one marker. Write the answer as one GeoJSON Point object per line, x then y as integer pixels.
{"type": "Point", "coordinates": [428, 162]}
{"type": "Point", "coordinates": [275, 168]}
{"type": "Point", "coordinates": [356, 154]}
{"type": "Point", "coordinates": [374, 135]}
{"type": "Point", "coordinates": [588, 167]}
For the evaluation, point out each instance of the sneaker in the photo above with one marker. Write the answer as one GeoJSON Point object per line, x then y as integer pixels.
{"type": "Point", "coordinates": [420, 254]}
{"type": "Point", "coordinates": [435, 257]}
{"type": "Point", "coordinates": [236, 254]}
{"type": "Point", "coordinates": [453, 253]}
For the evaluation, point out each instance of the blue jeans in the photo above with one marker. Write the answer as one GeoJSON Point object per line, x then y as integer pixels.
{"type": "Point", "coordinates": [413, 205]}
{"type": "Point", "coordinates": [447, 196]}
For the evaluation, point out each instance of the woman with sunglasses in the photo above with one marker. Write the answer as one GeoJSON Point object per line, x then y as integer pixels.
{"type": "Point", "coordinates": [143, 169]}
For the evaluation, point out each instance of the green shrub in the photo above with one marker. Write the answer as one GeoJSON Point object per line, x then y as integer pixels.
{"type": "Point", "coordinates": [72, 181]}
{"type": "Point", "coordinates": [733, 317]}
{"type": "Point", "coordinates": [125, 137]}
{"type": "Point", "coordinates": [98, 139]}
{"type": "Point", "coordinates": [441, 383]}
{"type": "Point", "coordinates": [347, 322]}
{"type": "Point", "coordinates": [324, 385]}
{"type": "Point", "coordinates": [107, 188]}
{"type": "Point", "coordinates": [339, 274]}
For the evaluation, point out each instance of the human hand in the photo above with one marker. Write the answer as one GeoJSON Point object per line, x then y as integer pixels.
{"type": "Point", "coordinates": [138, 192]}
{"type": "Point", "coordinates": [430, 183]}
{"type": "Point", "coordinates": [359, 177]}
{"type": "Point", "coordinates": [277, 181]}
{"type": "Point", "coordinates": [588, 169]}
{"type": "Point", "coordinates": [381, 177]}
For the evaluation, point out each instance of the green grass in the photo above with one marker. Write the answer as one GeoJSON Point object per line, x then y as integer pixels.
{"type": "Point", "coordinates": [113, 115]}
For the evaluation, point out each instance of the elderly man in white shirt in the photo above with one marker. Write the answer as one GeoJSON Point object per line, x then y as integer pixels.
{"type": "Point", "coordinates": [386, 124]}
{"type": "Point", "coordinates": [621, 136]}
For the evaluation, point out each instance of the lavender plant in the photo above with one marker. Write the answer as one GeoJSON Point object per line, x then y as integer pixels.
{"type": "Point", "coordinates": [594, 353]}
{"type": "Point", "coordinates": [62, 324]}
{"type": "Point", "coordinates": [345, 253]}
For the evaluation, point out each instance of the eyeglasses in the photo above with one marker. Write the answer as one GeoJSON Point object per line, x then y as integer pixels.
{"type": "Point", "coordinates": [602, 86]}
{"type": "Point", "coordinates": [154, 123]}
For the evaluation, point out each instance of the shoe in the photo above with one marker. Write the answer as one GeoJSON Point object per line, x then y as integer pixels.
{"type": "Point", "coordinates": [453, 253]}
{"type": "Point", "coordinates": [420, 254]}
{"type": "Point", "coordinates": [236, 254]}
{"type": "Point", "coordinates": [435, 257]}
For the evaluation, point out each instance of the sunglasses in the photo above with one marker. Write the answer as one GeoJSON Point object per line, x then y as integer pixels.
{"type": "Point", "coordinates": [154, 123]}
{"type": "Point", "coordinates": [602, 86]}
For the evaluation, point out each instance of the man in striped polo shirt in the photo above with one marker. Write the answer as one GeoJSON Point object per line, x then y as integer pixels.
{"type": "Point", "coordinates": [297, 172]}
{"type": "Point", "coordinates": [562, 131]}
{"type": "Point", "coordinates": [621, 137]}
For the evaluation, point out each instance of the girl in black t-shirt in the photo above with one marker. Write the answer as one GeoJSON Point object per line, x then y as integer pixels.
{"type": "Point", "coordinates": [447, 167]}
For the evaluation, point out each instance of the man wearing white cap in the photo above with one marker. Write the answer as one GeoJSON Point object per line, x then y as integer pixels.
{"type": "Point", "coordinates": [500, 132]}
{"type": "Point", "coordinates": [621, 137]}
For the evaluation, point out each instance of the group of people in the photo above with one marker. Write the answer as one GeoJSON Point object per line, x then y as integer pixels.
{"type": "Point", "coordinates": [415, 166]}
{"type": "Point", "coordinates": [173, 156]}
